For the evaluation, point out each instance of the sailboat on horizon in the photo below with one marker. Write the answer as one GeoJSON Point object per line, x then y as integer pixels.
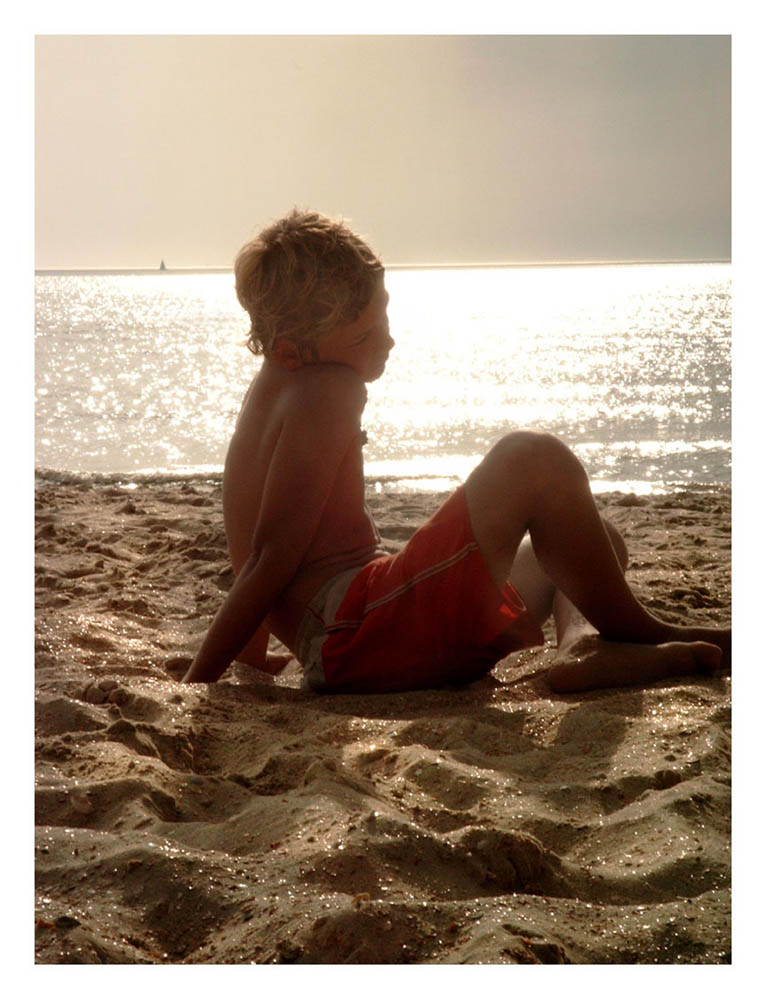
{"type": "Point", "coordinates": [162, 266]}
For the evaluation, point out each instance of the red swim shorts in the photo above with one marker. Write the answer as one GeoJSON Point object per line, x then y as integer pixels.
{"type": "Point", "coordinates": [429, 616]}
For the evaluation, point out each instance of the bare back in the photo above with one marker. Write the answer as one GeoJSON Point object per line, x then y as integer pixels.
{"type": "Point", "coordinates": [275, 457]}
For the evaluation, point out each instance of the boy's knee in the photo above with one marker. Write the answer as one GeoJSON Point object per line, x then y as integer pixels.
{"type": "Point", "coordinates": [538, 455]}
{"type": "Point", "coordinates": [618, 543]}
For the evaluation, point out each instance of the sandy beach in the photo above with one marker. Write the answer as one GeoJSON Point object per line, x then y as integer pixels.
{"type": "Point", "coordinates": [253, 822]}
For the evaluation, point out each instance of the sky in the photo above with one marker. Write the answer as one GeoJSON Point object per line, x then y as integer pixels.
{"type": "Point", "coordinates": [452, 148]}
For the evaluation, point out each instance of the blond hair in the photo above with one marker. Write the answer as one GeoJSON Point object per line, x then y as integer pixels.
{"type": "Point", "coordinates": [301, 277]}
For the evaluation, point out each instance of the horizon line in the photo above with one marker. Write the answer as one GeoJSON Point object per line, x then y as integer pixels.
{"type": "Point", "coordinates": [399, 267]}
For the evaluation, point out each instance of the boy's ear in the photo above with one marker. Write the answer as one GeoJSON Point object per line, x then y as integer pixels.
{"type": "Point", "coordinates": [286, 354]}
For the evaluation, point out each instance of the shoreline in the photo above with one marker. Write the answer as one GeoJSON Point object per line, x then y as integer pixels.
{"type": "Point", "coordinates": [251, 821]}
{"type": "Point", "coordinates": [448, 266]}
{"type": "Point", "coordinates": [213, 477]}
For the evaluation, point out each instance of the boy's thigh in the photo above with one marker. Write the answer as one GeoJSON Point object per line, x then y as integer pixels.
{"type": "Point", "coordinates": [508, 486]}
{"type": "Point", "coordinates": [495, 512]}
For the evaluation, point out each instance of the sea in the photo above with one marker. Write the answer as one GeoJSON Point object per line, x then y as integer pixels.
{"type": "Point", "coordinates": [139, 376]}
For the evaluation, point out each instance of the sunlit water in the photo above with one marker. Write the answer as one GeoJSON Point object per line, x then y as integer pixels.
{"type": "Point", "coordinates": [630, 365]}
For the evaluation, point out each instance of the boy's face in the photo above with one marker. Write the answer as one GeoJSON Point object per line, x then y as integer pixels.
{"type": "Point", "coordinates": [363, 344]}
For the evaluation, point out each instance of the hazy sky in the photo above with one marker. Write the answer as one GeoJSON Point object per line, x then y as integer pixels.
{"type": "Point", "coordinates": [437, 148]}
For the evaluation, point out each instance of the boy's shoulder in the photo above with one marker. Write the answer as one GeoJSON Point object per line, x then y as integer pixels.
{"type": "Point", "coordinates": [320, 411]}
{"type": "Point", "coordinates": [315, 393]}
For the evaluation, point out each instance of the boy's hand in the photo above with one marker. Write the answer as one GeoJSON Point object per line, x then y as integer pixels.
{"type": "Point", "coordinates": [276, 662]}
{"type": "Point", "coordinates": [273, 664]}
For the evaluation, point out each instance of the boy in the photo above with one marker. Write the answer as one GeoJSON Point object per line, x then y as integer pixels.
{"type": "Point", "coordinates": [520, 539]}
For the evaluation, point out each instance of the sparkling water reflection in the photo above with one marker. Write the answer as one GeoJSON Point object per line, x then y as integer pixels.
{"type": "Point", "coordinates": [629, 365]}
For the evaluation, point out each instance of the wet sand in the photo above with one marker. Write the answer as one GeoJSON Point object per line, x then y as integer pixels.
{"type": "Point", "coordinates": [250, 821]}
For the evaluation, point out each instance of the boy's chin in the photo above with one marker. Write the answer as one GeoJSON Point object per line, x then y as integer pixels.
{"type": "Point", "coordinates": [375, 372]}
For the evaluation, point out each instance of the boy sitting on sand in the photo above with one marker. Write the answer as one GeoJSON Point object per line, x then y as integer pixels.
{"type": "Point", "coordinates": [522, 538]}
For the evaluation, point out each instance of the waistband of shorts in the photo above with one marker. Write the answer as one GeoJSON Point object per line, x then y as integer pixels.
{"type": "Point", "coordinates": [320, 611]}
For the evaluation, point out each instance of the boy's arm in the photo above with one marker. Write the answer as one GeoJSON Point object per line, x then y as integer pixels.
{"type": "Point", "coordinates": [313, 441]}
{"type": "Point", "coordinates": [246, 605]}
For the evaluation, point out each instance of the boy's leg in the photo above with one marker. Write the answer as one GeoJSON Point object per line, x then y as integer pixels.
{"type": "Point", "coordinates": [532, 584]}
{"type": "Point", "coordinates": [570, 624]}
{"type": "Point", "coordinates": [584, 661]}
{"type": "Point", "coordinates": [531, 481]}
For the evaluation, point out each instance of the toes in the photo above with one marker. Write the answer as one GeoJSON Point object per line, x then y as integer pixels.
{"type": "Point", "coordinates": [707, 657]}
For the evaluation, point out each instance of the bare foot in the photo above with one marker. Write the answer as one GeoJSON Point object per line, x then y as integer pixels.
{"type": "Point", "coordinates": [590, 662]}
{"type": "Point", "coordinates": [721, 637]}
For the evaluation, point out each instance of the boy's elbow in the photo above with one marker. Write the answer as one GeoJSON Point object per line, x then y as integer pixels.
{"type": "Point", "coordinates": [262, 553]}
{"type": "Point", "coordinates": [277, 563]}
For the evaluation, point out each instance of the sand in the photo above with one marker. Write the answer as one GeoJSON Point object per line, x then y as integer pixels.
{"type": "Point", "coordinates": [252, 822]}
